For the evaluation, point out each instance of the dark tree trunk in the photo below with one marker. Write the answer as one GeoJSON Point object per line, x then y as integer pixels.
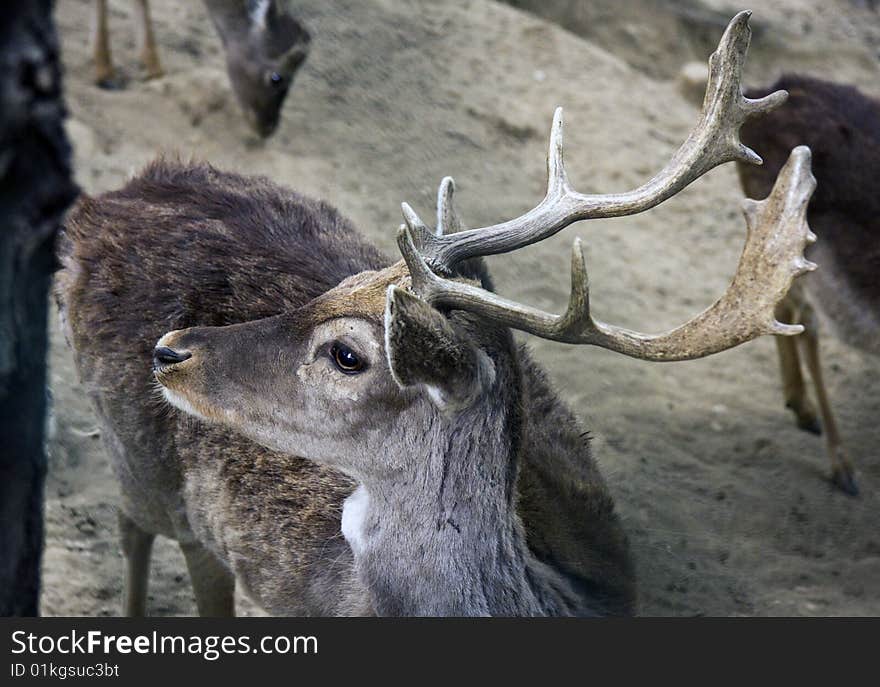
{"type": "Point", "coordinates": [35, 189]}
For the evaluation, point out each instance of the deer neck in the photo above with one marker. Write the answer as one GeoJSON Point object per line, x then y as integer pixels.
{"type": "Point", "coordinates": [443, 538]}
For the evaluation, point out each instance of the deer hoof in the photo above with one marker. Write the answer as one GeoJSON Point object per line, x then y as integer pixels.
{"type": "Point", "coordinates": [809, 423]}
{"type": "Point", "coordinates": [153, 73]}
{"type": "Point", "coordinates": [151, 67]}
{"type": "Point", "coordinates": [806, 417]}
{"type": "Point", "coordinates": [111, 83]}
{"type": "Point", "coordinates": [843, 479]}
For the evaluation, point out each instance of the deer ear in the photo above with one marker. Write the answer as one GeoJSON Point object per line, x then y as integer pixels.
{"type": "Point", "coordinates": [294, 57]}
{"type": "Point", "coordinates": [424, 349]}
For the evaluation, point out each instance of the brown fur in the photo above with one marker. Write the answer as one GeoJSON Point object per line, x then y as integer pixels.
{"type": "Point", "coordinates": [184, 245]}
{"type": "Point", "coordinates": [842, 128]}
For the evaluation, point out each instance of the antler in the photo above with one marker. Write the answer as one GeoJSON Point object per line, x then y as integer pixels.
{"type": "Point", "coordinates": [771, 259]}
{"type": "Point", "coordinates": [777, 234]}
{"type": "Point", "coordinates": [713, 141]}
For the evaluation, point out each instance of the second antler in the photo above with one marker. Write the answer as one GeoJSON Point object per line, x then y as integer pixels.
{"type": "Point", "coordinates": [777, 234]}
{"type": "Point", "coordinates": [713, 141]}
{"type": "Point", "coordinates": [772, 257]}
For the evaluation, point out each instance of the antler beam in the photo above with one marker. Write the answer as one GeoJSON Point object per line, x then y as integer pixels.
{"type": "Point", "coordinates": [713, 141]}
{"type": "Point", "coordinates": [771, 259]}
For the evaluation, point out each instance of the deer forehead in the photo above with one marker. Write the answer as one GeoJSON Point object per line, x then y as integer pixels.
{"type": "Point", "coordinates": [361, 295]}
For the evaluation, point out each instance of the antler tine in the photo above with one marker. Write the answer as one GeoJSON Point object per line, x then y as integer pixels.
{"type": "Point", "coordinates": [447, 218]}
{"type": "Point", "coordinates": [713, 141]}
{"type": "Point", "coordinates": [772, 258]}
{"type": "Point", "coordinates": [413, 233]}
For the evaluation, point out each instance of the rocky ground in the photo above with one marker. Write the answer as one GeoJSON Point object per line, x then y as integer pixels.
{"type": "Point", "coordinates": [726, 502]}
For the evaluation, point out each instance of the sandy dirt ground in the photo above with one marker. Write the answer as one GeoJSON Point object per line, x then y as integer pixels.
{"type": "Point", "coordinates": [727, 504]}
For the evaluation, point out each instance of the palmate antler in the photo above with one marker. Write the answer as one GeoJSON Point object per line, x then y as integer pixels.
{"type": "Point", "coordinates": [771, 259]}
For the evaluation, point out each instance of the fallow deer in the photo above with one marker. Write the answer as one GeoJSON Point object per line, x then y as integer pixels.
{"type": "Point", "coordinates": [316, 382]}
{"type": "Point", "coordinates": [265, 46]}
{"type": "Point", "coordinates": [842, 127]}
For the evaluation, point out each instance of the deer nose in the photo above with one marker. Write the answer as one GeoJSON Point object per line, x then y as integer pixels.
{"type": "Point", "coordinates": [164, 356]}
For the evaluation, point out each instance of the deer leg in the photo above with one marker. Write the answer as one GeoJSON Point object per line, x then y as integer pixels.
{"type": "Point", "coordinates": [793, 386]}
{"type": "Point", "coordinates": [105, 75]}
{"type": "Point", "coordinates": [136, 547]}
{"type": "Point", "coordinates": [842, 474]}
{"type": "Point", "coordinates": [213, 583]}
{"type": "Point", "coordinates": [147, 42]}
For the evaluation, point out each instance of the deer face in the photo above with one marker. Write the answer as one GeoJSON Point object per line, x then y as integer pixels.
{"type": "Point", "coordinates": [262, 67]}
{"type": "Point", "coordinates": [338, 381]}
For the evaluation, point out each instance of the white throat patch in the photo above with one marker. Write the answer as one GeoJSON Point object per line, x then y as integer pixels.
{"type": "Point", "coordinates": [354, 514]}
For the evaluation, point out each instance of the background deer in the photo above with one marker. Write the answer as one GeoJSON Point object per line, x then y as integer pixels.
{"type": "Point", "coordinates": [321, 376]}
{"type": "Point", "coordinates": [842, 127]}
{"type": "Point", "coordinates": [264, 44]}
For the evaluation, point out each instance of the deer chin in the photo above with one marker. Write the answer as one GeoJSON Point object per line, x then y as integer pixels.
{"type": "Point", "coordinates": [192, 404]}
{"type": "Point", "coordinates": [197, 406]}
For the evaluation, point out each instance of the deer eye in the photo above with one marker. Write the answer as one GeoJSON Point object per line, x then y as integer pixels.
{"type": "Point", "coordinates": [346, 359]}
{"type": "Point", "coordinates": [275, 79]}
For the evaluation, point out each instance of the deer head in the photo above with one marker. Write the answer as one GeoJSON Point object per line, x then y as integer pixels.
{"type": "Point", "coordinates": [262, 58]}
{"type": "Point", "coordinates": [392, 367]}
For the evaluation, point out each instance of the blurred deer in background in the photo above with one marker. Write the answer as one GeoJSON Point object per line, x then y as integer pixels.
{"type": "Point", "coordinates": [842, 127]}
{"type": "Point", "coordinates": [316, 381]}
{"type": "Point", "coordinates": [265, 46]}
